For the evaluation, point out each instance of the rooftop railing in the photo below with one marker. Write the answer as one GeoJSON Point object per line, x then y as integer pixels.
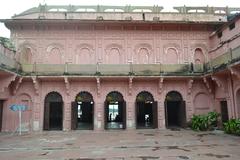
{"type": "Point", "coordinates": [130, 9]}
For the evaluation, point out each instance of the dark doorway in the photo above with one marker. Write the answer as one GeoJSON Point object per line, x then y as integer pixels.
{"type": "Point", "coordinates": [1, 113]}
{"type": "Point", "coordinates": [146, 111]}
{"type": "Point", "coordinates": [115, 111]}
{"type": "Point", "coordinates": [224, 111]}
{"type": "Point", "coordinates": [82, 112]}
{"type": "Point", "coordinates": [175, 110]}
{"type": "Point", "coordinates": [53, 112]}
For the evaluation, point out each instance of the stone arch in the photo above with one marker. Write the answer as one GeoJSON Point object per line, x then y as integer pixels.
{"type": "Point", "coordinates": [144, 96]}
{"type": "Point", "coordinates": [26, 51]}
{"type": "Point", "coordinates": [171, 52]}
{"type": "Point", "coordinates": [53, 111]}
{"type": "Point", "coordinates": [171, 56]}
{"type": "Point", "coordinates": [114, 54]}
{"type": "Point", "coordinates": [143, 53]}
{"type": "Point", "coordinates": [199, 47]}
{"type": "Point", "coordinates": [199, 57]}
{"type": "Point", "coordinates": [202, 103]}
{"type": "Point", "coordinates": [26, 100]}
{"type": "Point", "coordinates": [174, 96]}
{"type": "Point", "coordinates": [55, 54]}
{"type": "Point", "coordinates": [114, 96]}
{"type": "Point", "coordinates": [84, 54]}
{"type": "Point", "coordinates": [84, 96]}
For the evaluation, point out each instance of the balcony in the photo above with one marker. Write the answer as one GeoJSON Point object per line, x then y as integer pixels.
{"type": "Point", "coordinates": [216, 64]}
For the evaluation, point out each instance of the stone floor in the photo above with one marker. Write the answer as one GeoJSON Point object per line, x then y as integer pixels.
{"type": "Point", "coordinates": [120, 145]}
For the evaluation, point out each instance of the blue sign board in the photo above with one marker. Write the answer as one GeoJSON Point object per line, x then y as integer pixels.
{"type": "Point", "coordinates": [17, 107]}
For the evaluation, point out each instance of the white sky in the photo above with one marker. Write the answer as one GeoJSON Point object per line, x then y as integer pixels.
{"type": "Point", "coordinates": [10, 7]}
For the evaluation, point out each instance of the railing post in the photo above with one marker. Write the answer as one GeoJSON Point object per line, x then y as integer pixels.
{"type": "Point", "coordinates": [35, 67]}
{"type": "Point", "coordinates": [97, 67]}
{"type": "Point", "coordinates": [66, 68]}
{"type": "Point", "coordinates": [131, 67]}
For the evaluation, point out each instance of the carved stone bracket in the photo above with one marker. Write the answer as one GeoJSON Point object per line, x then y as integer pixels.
{"type": "Point", "coordinates": [235, 72]}
{"type": "Point", "coordinates": [190, 85]}
{"type": "Point", "coordinates": [36, 85]}
{"type": "Point", "coordinates": [67, 85]}
{"type": "Point", "coordinates": [130, 85]}
{"type": "Point", "coordinates": [219, 82]}
{"type": "Point", "coordinates": [6, 81]}
{"type": "Point", "coordinates": [160, 85]}
{"type": "Point", "coordinates": [207, 84]}
{"type": "Point", "coordinates": [98, 86]}
{"type": "Point", "coordinates": [19, 81]}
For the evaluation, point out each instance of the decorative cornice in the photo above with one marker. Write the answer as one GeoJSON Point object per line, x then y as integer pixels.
{"type": "Point", "coordinates": [207, 84]}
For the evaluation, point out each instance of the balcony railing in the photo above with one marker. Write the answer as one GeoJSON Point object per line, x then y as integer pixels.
{"type": "Point", "coordinates": [112, 69]}
{"type": "Point", "coordinates": [121, 69]}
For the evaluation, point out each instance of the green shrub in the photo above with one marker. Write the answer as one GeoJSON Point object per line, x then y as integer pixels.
{"type": "Point", "coordinates": [232, 127]}
{"type": "Point", "coordinates": [204, 122]}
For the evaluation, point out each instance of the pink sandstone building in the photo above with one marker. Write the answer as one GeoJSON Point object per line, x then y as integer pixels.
{"type": "Point", "coordinates": [119, 67]}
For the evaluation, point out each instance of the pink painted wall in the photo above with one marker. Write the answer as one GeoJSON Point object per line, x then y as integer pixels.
{"type": "Point", "coordinates": [110, 46]}
{"type": "Point", "coordinates": [118, 47]}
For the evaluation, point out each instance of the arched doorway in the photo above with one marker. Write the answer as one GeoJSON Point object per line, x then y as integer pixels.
{"type": "Point", "coordinates": [146, 111]}
{"type": "Point", "coordinates": [238, 103]}
{"type": "Point", "coordinates": [82, 111]}
{"type": "Point", "coordinates": [53, 112]}
{"type": "Point", "coordinates": [115, 111]}
{"type": "Point", "coordinates": [175, 110]}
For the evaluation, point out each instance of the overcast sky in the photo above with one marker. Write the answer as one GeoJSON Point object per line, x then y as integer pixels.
{"type": "Point", "coordinates": [10, 7]}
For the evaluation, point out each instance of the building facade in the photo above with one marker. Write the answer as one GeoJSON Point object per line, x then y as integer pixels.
{"type": "Point", "coordinates": [102, 67]}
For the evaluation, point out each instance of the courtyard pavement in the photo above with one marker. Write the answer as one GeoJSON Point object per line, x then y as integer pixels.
{"type": "Point", "coordinates": [120, 145]}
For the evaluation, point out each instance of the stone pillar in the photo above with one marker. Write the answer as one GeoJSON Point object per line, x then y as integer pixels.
{"type": "Point", "coordinates": [36, 114]}
{"type": "Point", "coordinates": [67, 116]}
{"type": "Point", "coordinates": [99, 116]}
{"type": "Point", "coordinates": [161, 115]}
{"type": "Point", "coordinates": [131, 124]}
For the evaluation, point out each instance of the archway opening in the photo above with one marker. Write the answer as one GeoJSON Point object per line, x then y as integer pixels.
{"type": "Point", "coordinates": [238, 103]}
{"type": "Point", "coordinates": [83, 112]}
{"type": "Point", "coordinates": [115, 111]}
{"type": "Point", "coordinates": [146, 111]}
{"type": "Point", "coordinates": [175, 110]}
{"type": "Point", "coordinates": [53, 112]}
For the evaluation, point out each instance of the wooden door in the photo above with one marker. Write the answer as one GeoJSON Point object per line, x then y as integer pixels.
{"type": "Point", "coordinates": [182, 114]}
{"type": "Point", "coordinates": [224, 111]}
{"type": "Point", "coordinates": [74, 114]}
{"type": "Point", "coordinates": [106, 110]}
{"type": "Point", "coordinates": [136, 114]}
{"type": "Point", "coordinates": [155, 114]}
{"type": "Point", "coordinates": [46, 116]}
{"type": "Point", "coordinates": [124, 115]}
{"type": "Point", "coordinates": [1, 113]}
{"type": "Point", "coordinates": [92, 110]}
{"type": "Point", "coordinates": [166, 113]}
